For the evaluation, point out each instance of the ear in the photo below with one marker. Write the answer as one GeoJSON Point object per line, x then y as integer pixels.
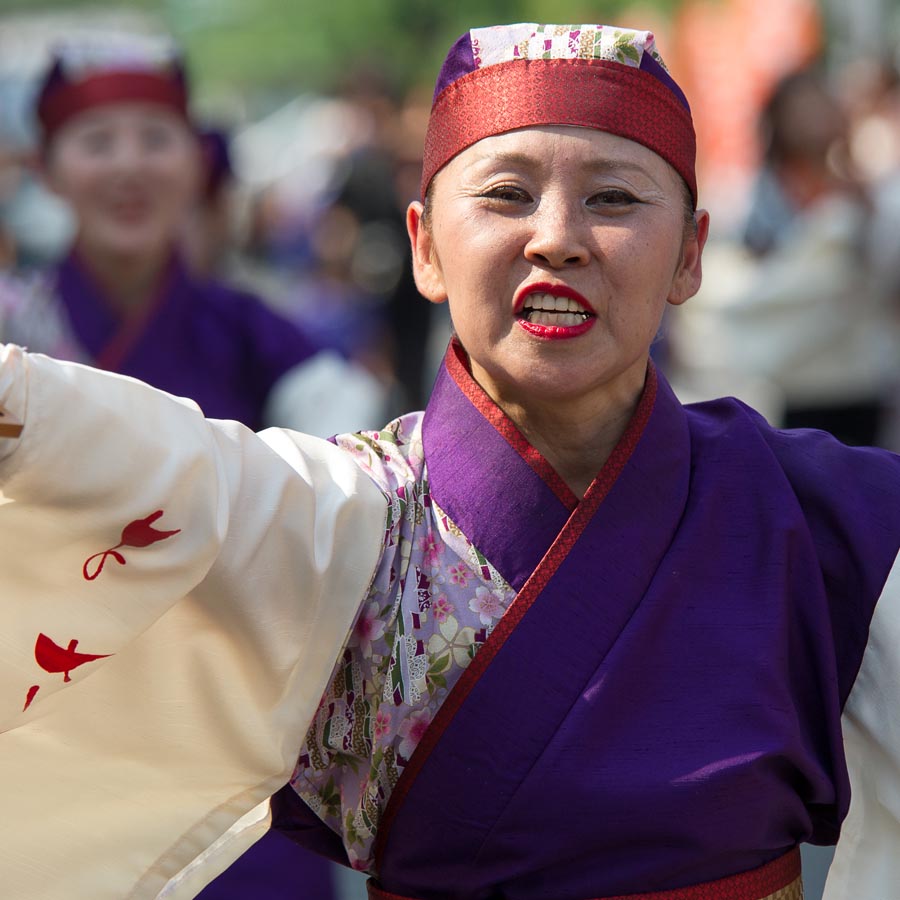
{"type": "Point", "coordinates": [690, 270]}
{"type": "Point", "coordinates": [426, 267]}
{"type": "Point", "coordinates": [40, 163]}
{"type": "Point", "coordinates": [195, 168]}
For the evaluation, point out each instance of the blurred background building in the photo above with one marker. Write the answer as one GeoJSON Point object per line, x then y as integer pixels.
{"type": "Point", "coordinates": [316, 114]}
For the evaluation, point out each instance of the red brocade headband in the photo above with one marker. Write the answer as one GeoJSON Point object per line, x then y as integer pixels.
{"type": "Point", "coordinates": [593, 93]}
{"type": "Point", "coordinates": [63, 100]}
{"type": "Point", "coordinates": [558, 75]}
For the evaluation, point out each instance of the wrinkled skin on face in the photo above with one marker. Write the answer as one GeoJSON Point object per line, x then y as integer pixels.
{"type": "Point", "coordinates": [558, 211]}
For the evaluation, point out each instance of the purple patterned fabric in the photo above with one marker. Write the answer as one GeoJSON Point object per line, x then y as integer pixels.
{"type": "Point", "coordinates": [650, 65]}
{"type": "Point", "coordinates": [459, 62]}
{"type": "Point", "coordinates": [668, 710]}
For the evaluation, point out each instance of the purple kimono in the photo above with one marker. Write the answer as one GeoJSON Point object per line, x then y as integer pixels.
{"type": "Point", "coordinates": [632, 692]}
{"type": "Point", "coordinates": [221, 347]}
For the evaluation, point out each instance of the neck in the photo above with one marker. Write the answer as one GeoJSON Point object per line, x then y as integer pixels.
{"type": "Point", "coordinates": [576, 437]}
{"type": "Point", "coordinates": [128, 281]}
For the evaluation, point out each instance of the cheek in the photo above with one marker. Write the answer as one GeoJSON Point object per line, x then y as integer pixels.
{"type": "Point", "coordinates": [480, 275]}
{"type": "Point", "coordinates": [649, 266]}
{"type": "Point", "coordinates": [640, 287]}
{"type": "Point", "coordinates": [174, 168]}
{"type": "Point", "coordinates": [76, 178]}
{"type": "Point", "coordinates": [637, 320]}
{"type": "Point", "coordinates": [175, 186]}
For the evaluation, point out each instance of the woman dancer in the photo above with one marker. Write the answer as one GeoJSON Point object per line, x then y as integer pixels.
{"type": "Point", "coordinates": [558, 636]}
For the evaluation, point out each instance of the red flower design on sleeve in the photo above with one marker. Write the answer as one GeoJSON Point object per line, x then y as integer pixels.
{"type": "Point", "coordinates": [139, 533]}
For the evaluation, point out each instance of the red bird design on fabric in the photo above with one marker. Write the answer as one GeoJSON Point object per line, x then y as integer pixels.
{"type": "Point", "coordinates": [139, 533]}
{"type": "Point", "coordinates": [53, 658]}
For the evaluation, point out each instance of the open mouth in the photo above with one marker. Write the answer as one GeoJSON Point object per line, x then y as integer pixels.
{"type": "Point", "coordinates": [548, 309]}
{"type": "Point", "coordinates": [130, 209]}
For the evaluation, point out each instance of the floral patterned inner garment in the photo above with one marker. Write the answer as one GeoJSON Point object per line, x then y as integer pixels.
{"type": "Point", "coordinates": [432, 604]}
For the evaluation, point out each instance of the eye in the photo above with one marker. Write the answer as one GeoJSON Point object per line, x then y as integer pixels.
{"type": "Point", "coordinates": [507, 193]}
{"type": "Point", "coordinates": [157, 137]}
{"type": "Point", "coordinates": [611, 198]}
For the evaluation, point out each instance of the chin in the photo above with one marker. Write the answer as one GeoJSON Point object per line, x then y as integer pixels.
{"type": "Point", "coordinates": [128, 241]}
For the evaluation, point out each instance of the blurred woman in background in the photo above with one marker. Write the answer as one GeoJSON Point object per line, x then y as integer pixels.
{"type": "Point", "coordinates": [119, 147]}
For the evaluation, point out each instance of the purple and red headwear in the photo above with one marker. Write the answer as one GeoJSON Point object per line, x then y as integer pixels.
{"type": "Point", "coordinates": [505, 77]}
{"type": "Point", "coordinates": [110, 69]}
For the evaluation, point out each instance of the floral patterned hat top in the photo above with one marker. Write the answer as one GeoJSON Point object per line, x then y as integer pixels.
{"type": "Point", "coordinates": [505, 77]}
{"type": "Point", "coordinates": [110, 68]}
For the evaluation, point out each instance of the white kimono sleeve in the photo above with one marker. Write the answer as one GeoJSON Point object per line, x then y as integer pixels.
{"type": "Point", "coordinates": [866, 863]}
{"type": "Point", "coordinates": [175, 592]}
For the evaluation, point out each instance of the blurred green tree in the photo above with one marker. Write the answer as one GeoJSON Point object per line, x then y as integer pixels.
{"type": "Point", "coordinates": [285, 47]}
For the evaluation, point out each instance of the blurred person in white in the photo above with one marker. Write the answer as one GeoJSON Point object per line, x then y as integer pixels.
{"type": "Point", "coordinates": [871, 86]}
{"type": "Point", "coordinates": [801, 309]}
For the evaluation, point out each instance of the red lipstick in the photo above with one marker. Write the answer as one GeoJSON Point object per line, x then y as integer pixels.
{"type": "Point", "coordinates": [548, 330]}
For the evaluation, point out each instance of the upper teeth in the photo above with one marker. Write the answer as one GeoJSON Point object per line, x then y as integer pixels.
{"type": "Point", "coordinates": [551, 303]}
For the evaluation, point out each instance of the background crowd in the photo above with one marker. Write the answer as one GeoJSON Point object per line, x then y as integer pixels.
{"type": "Point", "coordinates": [312, 155]}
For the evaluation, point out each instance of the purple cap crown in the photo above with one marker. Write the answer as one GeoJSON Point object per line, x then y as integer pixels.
{"type": "Point", "coordinates": [483, 47]}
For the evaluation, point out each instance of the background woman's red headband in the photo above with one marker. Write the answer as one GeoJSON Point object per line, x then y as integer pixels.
{"type": "Point", "coordinates": [110, 68]}
{"type": "Point", "coordinates": [67, 99]}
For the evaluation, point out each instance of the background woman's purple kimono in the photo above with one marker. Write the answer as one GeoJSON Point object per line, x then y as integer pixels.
{"type": "Point", "coordinates": [223, 348]}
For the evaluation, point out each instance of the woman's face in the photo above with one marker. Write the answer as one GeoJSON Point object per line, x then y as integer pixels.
{"type": "Point", "coordinates": [557, 249]}
{"type": "Point", "coordinates": [130, 172]}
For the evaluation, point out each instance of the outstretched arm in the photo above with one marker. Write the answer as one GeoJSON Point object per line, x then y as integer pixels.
{"type": "Point", "coordinates": [10, 426]}
{"type": "Point", "coordinates": [866, 863]}
{"type": "Point", "coordinates": [175, 593]}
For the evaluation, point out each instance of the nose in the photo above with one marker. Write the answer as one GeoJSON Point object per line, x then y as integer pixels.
{"type": "Point", "coordinates": [126, 155]}
{"type": "Point", "coordinates": [559, 236]}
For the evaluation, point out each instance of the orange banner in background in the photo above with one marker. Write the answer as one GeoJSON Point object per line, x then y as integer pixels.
{"type": "Point", "coordinates": [728, 55]}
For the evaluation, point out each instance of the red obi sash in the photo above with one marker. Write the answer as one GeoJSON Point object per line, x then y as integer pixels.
{"type": "Point", "coordinates": [777, 880]}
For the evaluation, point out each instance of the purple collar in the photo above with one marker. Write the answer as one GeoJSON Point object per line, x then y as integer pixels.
{"type": "Point", "coordinates": [486, 476]}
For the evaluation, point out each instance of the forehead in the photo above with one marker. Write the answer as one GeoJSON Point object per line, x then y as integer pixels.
{"type": "Point", "coordinates": [560, 150]}
{"type": "Point", "coordinates": [125, 114]}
